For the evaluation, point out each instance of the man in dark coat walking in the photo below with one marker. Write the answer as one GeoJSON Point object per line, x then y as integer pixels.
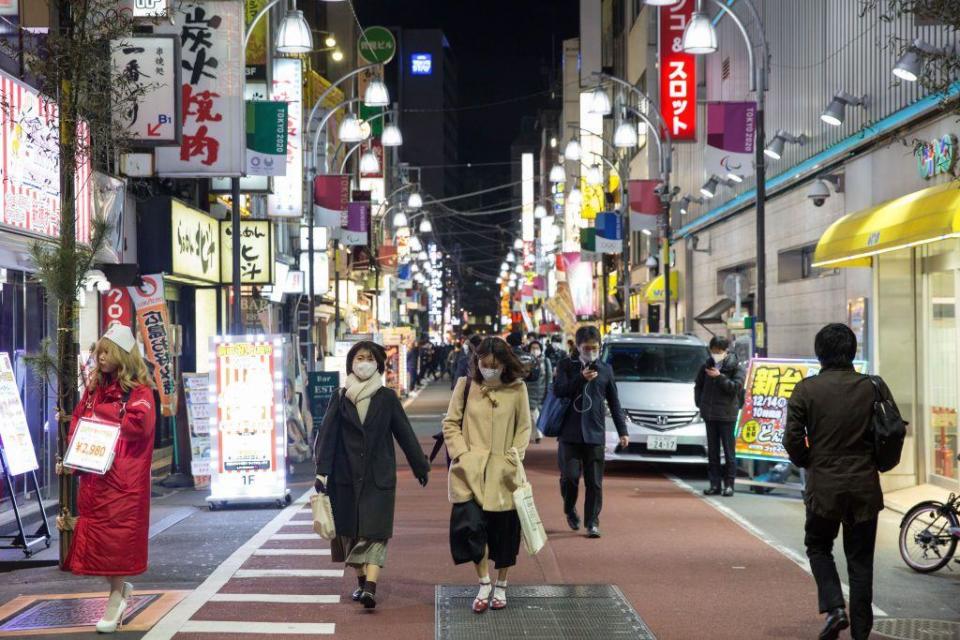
{"type": "Point", "coordinates": [717, 393]}
{"type": "Point", "coordinates": [588, 384]}
{"type": "Point", "coordinates": [828, 423]}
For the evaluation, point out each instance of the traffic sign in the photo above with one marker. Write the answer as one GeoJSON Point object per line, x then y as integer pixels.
{"type": "Point", "coordinates": [377, 45]}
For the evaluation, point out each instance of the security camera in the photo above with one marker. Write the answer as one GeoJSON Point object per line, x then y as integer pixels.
{"type": "Point", "coordinates": [819, 192]}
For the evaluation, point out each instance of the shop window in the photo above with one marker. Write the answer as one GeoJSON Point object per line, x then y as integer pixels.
{"type": "Point", "coordinates": [797, 264]}
{"type": "Point", "coordinates": [748, 270]}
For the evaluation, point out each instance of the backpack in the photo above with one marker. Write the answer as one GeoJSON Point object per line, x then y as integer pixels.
{"type": "Point", "coordinates": [888, 430]}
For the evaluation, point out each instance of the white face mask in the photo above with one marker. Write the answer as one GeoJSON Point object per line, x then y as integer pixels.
{"type": "Point", "coordinates": [535, 353]}
{"type": "Point", "coordinates": [364, 370]}
{"type": "Point", "coordinates": [490, 374]}
{"type": "Point", "coordinates": [719, 357]}
{"type": "Point", "coordinates": [589, 356]}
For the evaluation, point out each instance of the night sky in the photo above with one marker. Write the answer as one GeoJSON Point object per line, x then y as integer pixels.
{"type": "Point", "coordinates": [505, 50]}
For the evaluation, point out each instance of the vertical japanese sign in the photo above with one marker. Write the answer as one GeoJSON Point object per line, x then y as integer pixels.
{"type": "Point", "coordinates": [256, 252]}
{"type": "Point", "coordinates": [286, 201]}
{"type": "Point", "coordinates": [152, 322]}
{"type": "Point", "coordinates": [195, 239]}
{"type": "Point", "coordinates": [678, 74]}
{"type": "Point", "coordinates": [149, 65]}
{"type": "Point", "coordinates": [528, 229]}
{"type": "Point", "coordinates": [116, 307]}
{"type": "Point", "coordinates": [30, 164]}
{"type": "Point", "coordinates": [14, 432]}
{"type": "Point", "coordinates": [212, 76]}
{"type": "Point", "coordinates": [247, 422]}
{"type": "Point", "coordinates": [580, 281]}
{"type": "Point", "coordinates": [763, 418]}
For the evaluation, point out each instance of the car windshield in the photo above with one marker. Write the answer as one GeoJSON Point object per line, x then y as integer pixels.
{"type": "Point", "coordinates": [655, 362]}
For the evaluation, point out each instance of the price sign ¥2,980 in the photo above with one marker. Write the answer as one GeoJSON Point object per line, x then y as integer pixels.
{"type": "Point", "coordinates": [92, 446]}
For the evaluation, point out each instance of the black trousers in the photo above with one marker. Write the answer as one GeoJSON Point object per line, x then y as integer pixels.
{"type": "Point", "coordinates": [859, 540]}
{"type": "Point", "coordinates": [474, 531]}
{"type": "Point", "coordinates": [586, 460]}
{"type": "Point", "coordinates": [721, 432]}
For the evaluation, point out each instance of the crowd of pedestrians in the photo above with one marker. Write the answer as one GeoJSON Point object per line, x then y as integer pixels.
{"type": "Point", "coordinates": [500, 389]}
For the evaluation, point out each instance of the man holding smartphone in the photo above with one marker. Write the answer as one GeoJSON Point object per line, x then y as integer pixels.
{"type": "Point", "coordinates": [587, 383]}
{"type": "Point", "coordinates": [718, 393]}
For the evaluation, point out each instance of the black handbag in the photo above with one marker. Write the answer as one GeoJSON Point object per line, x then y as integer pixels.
{"type": "Point", "coordinates": [438, 437]}
{"type": "Point", "coordinates": [888, 430]}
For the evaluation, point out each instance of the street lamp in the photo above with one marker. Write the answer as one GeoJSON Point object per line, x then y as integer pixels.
{"type": "Point", "coordinates": [511, 257]}
{"type": "Point", "coordinates": [702, 39]}
{"type": "Point", "coordinates": [835, 112]}
{"type": "Point", "coordinates": [414, 201]}
{"type": "Point", "coordinates": [625, 135]}
{"type": "Point", "coordinates": [594, 175]}
{"type": "Point", "coordinates": [573, 151]}
{"type": "Point", "coordinates": [399, 220]}
{"type": "Point", "coordinates": [376, 94]}
{"type": "Point", "coordinates": [293, 34]}
{"type": "Point", "coordinates": [774, 150]}
{"type": "Point", "coordinates": [557, 174]}
{"type": "Point", "coordinates": [599, 103]}
{"type": "Point", "coordinates": [391, 137]}
{"type": "Point", "coordinates": [518, 244]}
{"type": "Point", "coordinates": [369, 163]}
{"type": "Point", "coordinates": [539, 212]}
{"type": "Point", "coordinates": [350, 130]}
{"type": "Point", "coordinates": [425, 225]}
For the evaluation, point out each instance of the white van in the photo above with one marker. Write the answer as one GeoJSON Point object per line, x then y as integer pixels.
{"type": "Point", "coordinates": [655, 374]}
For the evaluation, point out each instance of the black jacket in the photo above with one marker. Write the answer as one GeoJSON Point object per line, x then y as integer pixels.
{"type": "Point", "coordinates": [569, 383]}
{"type": "Point", "coordinates": [828, 419]}
{"type": "Point", "coordinates": [361, 465]}
{"type": "Point", "coordinates": [719, 398]}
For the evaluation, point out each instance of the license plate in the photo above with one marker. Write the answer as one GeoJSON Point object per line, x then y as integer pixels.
{"type": "Point", "coordinates": [662, 443]}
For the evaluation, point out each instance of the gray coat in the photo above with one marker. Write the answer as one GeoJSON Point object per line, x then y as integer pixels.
{"type": "Point", "coordinates": [360, 463]}
{"type": "Point", "coordinates": [537, 389]}
{"type": "Point", "coordinates": [719, 398]}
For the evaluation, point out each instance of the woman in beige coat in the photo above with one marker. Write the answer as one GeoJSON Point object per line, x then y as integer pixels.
{"type": "Point", "coordinates": [486, 430]}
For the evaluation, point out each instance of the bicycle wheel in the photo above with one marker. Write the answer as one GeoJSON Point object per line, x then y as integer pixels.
{"type": "Point", "coordinates": [926, 543]}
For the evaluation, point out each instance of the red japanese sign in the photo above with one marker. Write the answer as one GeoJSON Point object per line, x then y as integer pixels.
{"type": "Point", "coordinates": [116, 307]}
{"type": "Point", "coordinates": [678, 74]}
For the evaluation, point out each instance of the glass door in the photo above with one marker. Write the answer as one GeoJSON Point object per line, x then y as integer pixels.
{"type": "Point", "coordinates": [942, 393]}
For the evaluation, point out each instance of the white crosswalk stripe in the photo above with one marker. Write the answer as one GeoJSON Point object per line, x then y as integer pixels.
{"type": "Point", "coordinates": [273, 628]}
{"type": "Point", "coordinates": [294, 536]}
{"type": "Point", "coordinates": [292, 552]}
{"type": "Point", "coordinates": [278, 598]}
{"type": "Point", "coordinates": [289, 573]}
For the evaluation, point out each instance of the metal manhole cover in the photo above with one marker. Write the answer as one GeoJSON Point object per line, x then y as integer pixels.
{"type": "Point", "coordinates": [547, 612]}
{"type": "Point", "coordinates": [70, 612]}
{"type": "Point", "coordinates": [917, 629]}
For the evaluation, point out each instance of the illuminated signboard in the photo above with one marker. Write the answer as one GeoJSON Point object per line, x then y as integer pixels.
{"type": "Point", "coordinates": [678, 74]}
{"type": "Point", "coordinates": [421, 64]}
{"type": "Point", "coordinates": [247, 420]}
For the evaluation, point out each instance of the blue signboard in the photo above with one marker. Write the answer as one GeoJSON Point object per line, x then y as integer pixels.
{"type": "Point", "coordinates": [421, 64]}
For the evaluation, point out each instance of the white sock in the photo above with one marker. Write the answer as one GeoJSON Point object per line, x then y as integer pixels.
{"type": "Point", "coordinates": [500, 592]}
{"type": "Point", "coordinates": [485, 588]}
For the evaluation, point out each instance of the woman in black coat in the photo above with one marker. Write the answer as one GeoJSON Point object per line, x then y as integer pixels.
{"type": "Point", "coordinates": [357, 467]}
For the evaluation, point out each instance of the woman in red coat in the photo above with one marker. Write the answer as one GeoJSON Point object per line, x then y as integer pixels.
{"type": "Point", "coordinates": [110, 536]}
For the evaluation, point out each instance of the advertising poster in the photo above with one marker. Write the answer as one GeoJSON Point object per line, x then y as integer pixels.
{"type": "Point", "coordinates": [763, 419]}
{"type": "Point", "coordinates": [247, 422]}
{"type": "Point", "coordinates": [678, 74]}
{"type": "Point", "coordinates": [14, 432]}
{"type": "Point", "coordinates": [212, 102]}
{"type": "Point", "coordinates": [153, 321]}
{"type": "Point", "coordinates": [256, 252]}
{"type": "Point", "coordinates": [331, 194]}
{"type": "Point", "coordinates": [266, 138]}
{"type": "Point", "coordinates": [196, 388]}
{"type": "Point", "coordinates": [286, 201]}
{"type": "Point", "coordinates": [731, 133]}
{"type": "Point", "coordinates": [151, 66]}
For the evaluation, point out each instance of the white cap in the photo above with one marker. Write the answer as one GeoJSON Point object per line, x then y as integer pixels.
{"type": "Point", "coordinates": [121, 336]}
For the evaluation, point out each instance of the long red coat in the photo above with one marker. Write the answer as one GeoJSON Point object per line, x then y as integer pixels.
{"type": "Point", "coordinates": [110, 538]}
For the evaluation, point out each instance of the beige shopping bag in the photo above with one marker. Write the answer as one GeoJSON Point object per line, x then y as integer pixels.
{"type": "Point", "coordinates": [534, 535]}
{"type": "Point", "coordinates": [323, 516]}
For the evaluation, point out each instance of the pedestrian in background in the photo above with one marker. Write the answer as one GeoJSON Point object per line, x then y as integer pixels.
{"type": "Point", "coordinates": [465, 362]}
{"type": "Point", "coordinates": [413, 364]}
{"type": "Point", "coordinates": [572, 352]}
{"type": "Point", "coordinates": [554, 351]}
{"type": "Point", "coordinates": [111, 531]}
{"type": "Point", "coordinates": [829, 422]}
{"type": "Point", "coordinates": [357, 467]}
{"type": "Point", "coordinates": [588, 383]}
{"type": "Point", "coordinates": [486, 430]}
{"type": "Point", "coordinates": [718, 393]}
{"type": "Point", "coordinates": [538, 380]}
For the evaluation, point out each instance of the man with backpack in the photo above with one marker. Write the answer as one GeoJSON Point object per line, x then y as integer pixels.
{"type": "Point", "coordinates": [843, 427]}
{"type": "Point", "coordinates": [718, 393]}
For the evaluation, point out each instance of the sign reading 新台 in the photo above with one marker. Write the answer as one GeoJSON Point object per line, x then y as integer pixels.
{"type": "Point", "coordinates": [421, 64]}
{"type": "Point", "coordinates": [763, 419]}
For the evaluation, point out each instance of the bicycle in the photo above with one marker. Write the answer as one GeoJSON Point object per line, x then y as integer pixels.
{"type": "Point", "coordinates": [929, 533]}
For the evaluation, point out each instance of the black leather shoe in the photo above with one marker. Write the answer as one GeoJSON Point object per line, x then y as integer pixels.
{"type": "Point", "coordinates": [712, 491]}
{"type": "Point", "coordinates": [355, 596]}
{"type": "Point", "coordinates": [593, 531]}
{"type": "Point", "coordinates": [573, 520]}
{"type": "Point", "coordinates": [837, 621]}
{"type": "Point", "coordinates": [727, 492]}
{"type": "Point", "coordinates": [368, 600]}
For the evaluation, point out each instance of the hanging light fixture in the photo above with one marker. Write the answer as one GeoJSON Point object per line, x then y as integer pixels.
{"type": "Point", "coordinates": [414, 244]}
{"type": "Point", "coordinates": [594, 175]}
{"type": "Point", "coordinates": [293, 35]}
{"type": "Point", "coordinates": [392, 137]}
{"type": "Point", "coordinates": [399, 220]}
{"type": "Point", "coordinates": [422, 256]}
{"type": "Point", "coordinates": [414, 267]}
{"type": "Point", "coordinates": [511, 257]}
{"type": "Point", "coordinates": [599, 103]}
{"type": "Point", "coordinates": [575, 197]}
{"type": "Point", "coordinates": [700, 37]}
{"type": "Point", "coordinates": [539, 212]}
{"type": "Point", "coordinates": [504, 266]}
{"type": "Point", "coordinates": [369, 163]}
{"type": "Point", "coordinates": [414, 201]}
{"type": "Point", "coordinates": [518, 244]}
{"type": "Point", "coordinates": [835, 112]}
{"type": "Point", "coordinates": [709, 188]}
{"type": "Point", "coordinates": [557, 174]}
{"type": "Point", "coordinates": [337, 55]}
{"type": "Point", "coordinates": [774, 150]}
{"type": "Point", "coordinates": [573, 150]}
{"type": "Point", "coordinates": [518, 268]}
{"type": "Point", "coordinates": [376, 94]}
{"type": "Point", "coordinates": [425, 225]}
{"type": "Point", "coordinates": [625, 136]}
{"type": "Point", "coordinates": [330, 41]}
{"type": "Point", "coordinates": [403, 232]}
{"type": "Point", "coordinates": [350, 130]}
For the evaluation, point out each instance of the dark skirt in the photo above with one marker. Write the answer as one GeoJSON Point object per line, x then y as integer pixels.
{"type": "Point", "coordinates": [473, 530]}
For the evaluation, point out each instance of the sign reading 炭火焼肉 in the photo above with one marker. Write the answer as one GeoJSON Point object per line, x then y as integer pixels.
{"type": "Point", "coordinates": [763, 419]}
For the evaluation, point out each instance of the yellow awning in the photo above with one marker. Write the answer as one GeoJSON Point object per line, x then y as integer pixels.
{"type": "Point", "coordinates": [655, 290]}
{"type": "Point", "coordinates": [918, 218]}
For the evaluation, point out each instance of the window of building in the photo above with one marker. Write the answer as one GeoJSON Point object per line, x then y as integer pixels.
{"type": "Point", "coordinates": [797, 264]}
{"type": "Point", "coordinates": [747, 269]}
